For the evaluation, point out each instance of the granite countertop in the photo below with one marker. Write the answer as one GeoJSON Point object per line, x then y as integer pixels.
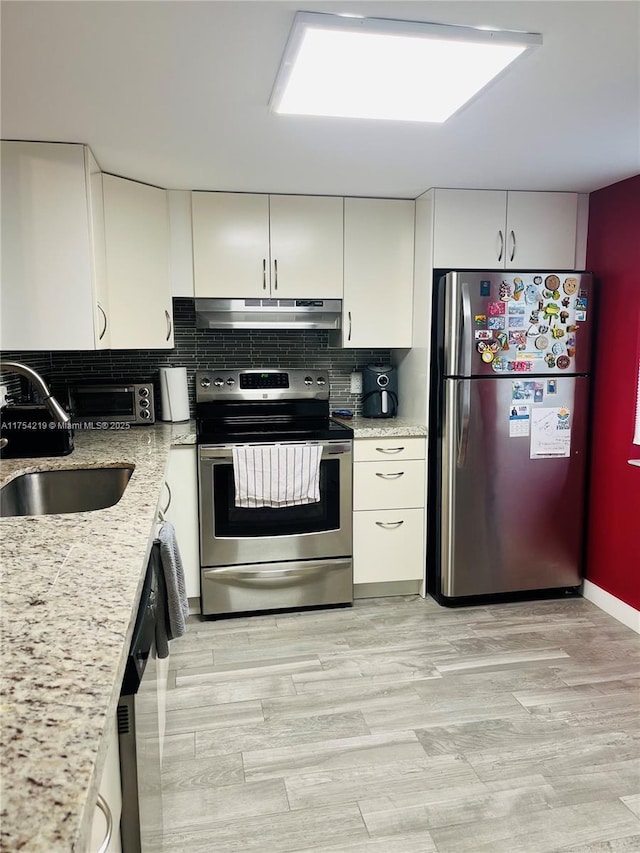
{"type": "Point", "coordinates": [70, 587]}
{"type": "Point", "coordinates": [383, 427]}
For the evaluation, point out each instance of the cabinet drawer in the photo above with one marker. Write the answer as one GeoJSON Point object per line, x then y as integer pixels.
{"type": "Point", "coordinates": [379, 449]}
{"type": "Point", "coordinates": [388, 485]}
{"type": "Point", "coordinates": [388, 545]}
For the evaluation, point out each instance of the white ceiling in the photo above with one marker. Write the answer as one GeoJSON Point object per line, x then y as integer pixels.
{"type": "Point", "coordinates": [176, 94]}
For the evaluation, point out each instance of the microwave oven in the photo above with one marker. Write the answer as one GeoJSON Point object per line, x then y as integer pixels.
{"type": "Point", "coordinates": [112, 402]}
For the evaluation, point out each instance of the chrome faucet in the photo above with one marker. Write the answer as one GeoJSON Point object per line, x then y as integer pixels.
{"type": "Point", "coordinates": [48, 399]}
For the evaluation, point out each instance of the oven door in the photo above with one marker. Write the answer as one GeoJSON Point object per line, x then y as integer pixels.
{"type": "Point", "coordinates": [234, 536]}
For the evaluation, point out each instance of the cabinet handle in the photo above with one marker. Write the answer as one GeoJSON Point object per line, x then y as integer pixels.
{"type": "Point", "coordinates": [169, 324]}
{"type": "Point", "coordinates": [501, 245]}
{"type": "Point", "coordinates": [389, 525]}
{"type": "Point", "coordinates": [166, 509]}
{"type": "Point", "coordinates": [349, 335]}
{"type": "Point", "coordinates": [106, 811]}
{"type": "Point", "coordinates": [389, 449]}
{"type": "Point", "coordinates": [103, 332]}
{"type": "Point", "coordinates": [264, 273]}
{"type": "Point", "coordinates": [390, 476]}
{"type": "Point", "coordinates": [513, 245]}
{"type": "Point", "coordinates": [275, 277]}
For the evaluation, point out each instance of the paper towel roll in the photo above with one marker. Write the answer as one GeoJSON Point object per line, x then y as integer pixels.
{"type": "Point", "coordinates": [174, 397]}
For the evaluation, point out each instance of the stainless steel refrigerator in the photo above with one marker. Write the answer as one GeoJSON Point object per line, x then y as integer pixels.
{"type": "Point", "coordinates": [508, 433]}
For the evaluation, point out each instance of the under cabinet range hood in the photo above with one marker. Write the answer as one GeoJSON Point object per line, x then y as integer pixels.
{"type": "Point", "coordinates": [268, 313]}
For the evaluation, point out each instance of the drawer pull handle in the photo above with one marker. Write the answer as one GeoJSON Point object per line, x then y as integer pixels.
{"type": "Point", "coordinates": [390, 449]}
{"type": "Point", "coordinates": [390, 476]}
{"type": "Point", "coordinates": [106, 811]}
{"type": "Point", "coordinates": [389, 525]}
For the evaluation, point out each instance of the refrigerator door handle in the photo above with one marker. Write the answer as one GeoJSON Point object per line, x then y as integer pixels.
{"type": "Point", "coordinates": [466, 332]}
{"type": "Point", "coordinates": [463, 431]}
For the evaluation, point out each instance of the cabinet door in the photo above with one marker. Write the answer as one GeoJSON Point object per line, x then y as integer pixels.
{"type": "Point", "coordinates": [111, 792]}
{"type": "Point", "coordinates": [307, 235]}
{"type": "Point", "coordinates": [182, 478]}
{"type": "Point", "coordinates": [47, 288]}
{"type": "Point", "coordinates": [378, 272]}
{"type": "Point", "coordinates": [230, 244]}
{"type": "Point", "coordinates": [388, 545]}
{"type": "Point", "coordinates": [99, 259]}
{"type": "Point", "coordinates": [137, 250]}
{"type": "Point", "coordinates": [469, 229]}
{"type": "Point", "coordinates": [541, 230]}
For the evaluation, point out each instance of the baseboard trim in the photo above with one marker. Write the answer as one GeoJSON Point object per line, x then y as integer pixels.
{"type": "Point", "coordinates": [385, 588]}
{"type": "Point", "coordinates": [621, 611]}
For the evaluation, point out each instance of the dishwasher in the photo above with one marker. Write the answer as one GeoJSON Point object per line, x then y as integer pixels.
{"type": "Point", "coordinates": [139, 726]}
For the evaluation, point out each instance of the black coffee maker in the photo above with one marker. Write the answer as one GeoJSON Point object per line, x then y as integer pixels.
{"type": "Point", "coordinates": [379, 391]}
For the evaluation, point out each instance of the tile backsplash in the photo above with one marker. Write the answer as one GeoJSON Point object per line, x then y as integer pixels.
{"type": "Point", "coordinates": [204, 348]}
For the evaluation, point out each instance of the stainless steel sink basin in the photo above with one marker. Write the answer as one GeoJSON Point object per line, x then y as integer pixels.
{"type": "Point", "coordinates": [64, 490]}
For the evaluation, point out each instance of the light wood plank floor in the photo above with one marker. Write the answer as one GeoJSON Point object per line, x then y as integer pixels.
{"type": "Point", "coordinates": [399, 726]}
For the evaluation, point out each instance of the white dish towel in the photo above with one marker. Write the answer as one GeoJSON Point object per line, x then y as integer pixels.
{"type": "Point", "coordinates": [276, 475]}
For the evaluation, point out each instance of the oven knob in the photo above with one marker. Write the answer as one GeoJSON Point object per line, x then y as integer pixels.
{"type": "Point", "coordinates": [321, 380]}
{"type": "Point", "coordinates": [144, 392]}
{"type": "Point", "coordinates": [308, 380]}
{"type": "Point", "coordinates": [205, 382]}
{"type": "Point", "coordinates": [218, 382]}
{"type": "Point", "coordinates": [145, 414]}
{"type": "Point", "coordinates": [231, 382]}
{"type": "Point", "coordinates": [144, 404]}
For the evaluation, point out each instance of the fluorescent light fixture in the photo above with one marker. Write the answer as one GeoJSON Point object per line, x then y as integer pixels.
{"type": "Point", "coordinates": [382, 69]}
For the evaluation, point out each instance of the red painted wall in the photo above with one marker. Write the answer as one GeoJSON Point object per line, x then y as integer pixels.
{"type": "Point", "coordinates": [613, 253]}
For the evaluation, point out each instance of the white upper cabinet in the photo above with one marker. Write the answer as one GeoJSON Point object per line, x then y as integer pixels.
{"type": "Point", "coordinates": [52, 252]}
{"type": "Point", "coordinates": [541, 230]}
{"type": "Point", "coordinates": [496, 229]}
{"type": "Point", "coordinates": [230, 244]}
{"type": "Point", "coordinates": [378, 272]}
{"type": "Point", "coordinates": [269, 247]}
{"type": "Point", "coordinates": [136, 218]}
{"type": "Point", "coordinates": [306, 246]}
{"type": "Point", "coordinates": [468, 229]}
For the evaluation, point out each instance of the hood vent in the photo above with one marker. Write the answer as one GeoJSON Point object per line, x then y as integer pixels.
{"type": "Point", "coordinates": [268, 313]}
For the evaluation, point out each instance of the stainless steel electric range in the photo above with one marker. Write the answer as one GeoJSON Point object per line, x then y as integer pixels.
{"type": "Point", "coordinates": [254, 555]}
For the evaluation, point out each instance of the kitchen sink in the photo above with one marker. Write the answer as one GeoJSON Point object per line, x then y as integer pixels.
{"type": "Point", "coordinates": [64, 490]}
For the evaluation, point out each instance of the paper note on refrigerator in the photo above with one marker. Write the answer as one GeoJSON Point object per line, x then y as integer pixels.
{"type": "Point", "coordinates": [550, 433]}
{"type": "Point", "coordinates": [519, 419]}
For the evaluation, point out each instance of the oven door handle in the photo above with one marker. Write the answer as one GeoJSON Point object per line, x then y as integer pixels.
{"type": "Point", "coordinates": [224, 452]}
{"type": "Point", "coordinates": [264, 575]}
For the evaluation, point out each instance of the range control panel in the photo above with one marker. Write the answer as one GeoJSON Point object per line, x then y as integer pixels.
{"type": "Point", "coordinates": [270, 384]}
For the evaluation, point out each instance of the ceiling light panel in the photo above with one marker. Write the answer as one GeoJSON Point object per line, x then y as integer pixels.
{"type": "Point", "coordinates": [393, 70]}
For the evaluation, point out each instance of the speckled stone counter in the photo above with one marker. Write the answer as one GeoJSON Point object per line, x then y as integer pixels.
{"type": "Point", "coordinates": [385, 427]}
{"type": "Point", "coordinates": [70, 586]}
{"type": "Point", "coordinates": [183, 433]}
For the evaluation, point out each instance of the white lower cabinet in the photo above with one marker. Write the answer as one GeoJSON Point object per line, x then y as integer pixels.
{"type": "Point", "coordinates": [111, 794]}
{"type": "Point", "coordinates": [181, 509]}
{"type": "Point", "coordinates": [389, 516]}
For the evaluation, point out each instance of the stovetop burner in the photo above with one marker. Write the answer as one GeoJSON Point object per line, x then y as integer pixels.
{"type": "Point", "coordinates": [269, 405]}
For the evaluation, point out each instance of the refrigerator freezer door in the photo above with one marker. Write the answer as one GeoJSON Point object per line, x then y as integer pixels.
{"type": "Point", "coordinates": [512, 485]}
{"type": "Point", "coordinates": [501, 323]}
